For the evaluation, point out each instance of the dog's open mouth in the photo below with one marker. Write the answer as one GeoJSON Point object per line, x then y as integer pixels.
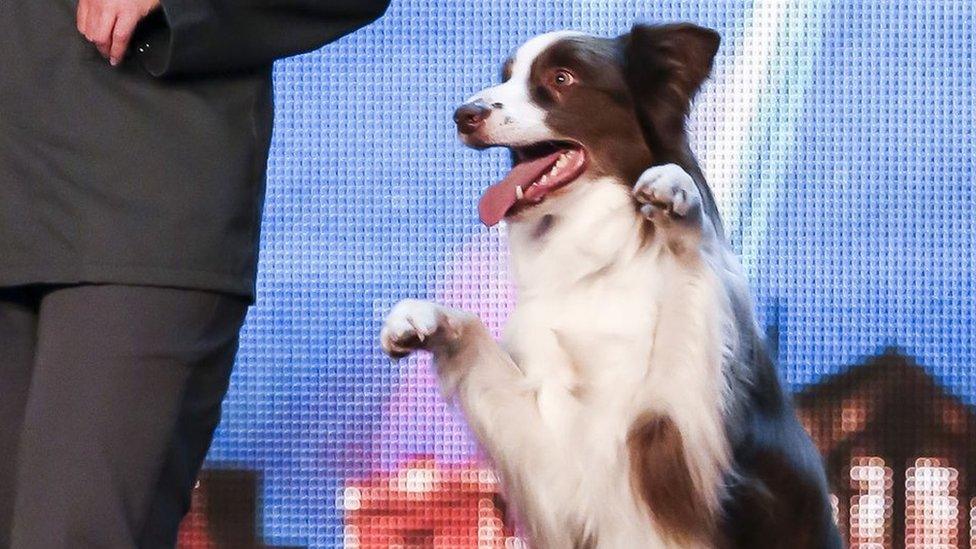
{"type": "Point", "coordinates": [538, 170]}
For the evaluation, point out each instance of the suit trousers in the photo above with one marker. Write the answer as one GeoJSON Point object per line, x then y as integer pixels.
{"type": "Point", "coordinates": [109, 398]}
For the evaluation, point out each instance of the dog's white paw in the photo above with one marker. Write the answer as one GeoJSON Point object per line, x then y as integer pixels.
{"type": "Point", "coordinates": [667, 192]}
{"type": "Point", "coordinates": [411, 325]}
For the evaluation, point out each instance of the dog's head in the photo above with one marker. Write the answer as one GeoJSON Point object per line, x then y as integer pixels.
{"type": "Point", "coordinates": [571, 104]}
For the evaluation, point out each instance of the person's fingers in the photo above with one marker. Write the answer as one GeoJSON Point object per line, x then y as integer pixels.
{"type": "Point", "coordinates": [101, 34]}
{"type": "Point", "coordinates": [91, 20]}
{"type": "Point", "coordinates": [124, 26]}
{"type": "Point", "coordinates": [81, 17]}
{"type": "Point", "coordinates": [108, 25]}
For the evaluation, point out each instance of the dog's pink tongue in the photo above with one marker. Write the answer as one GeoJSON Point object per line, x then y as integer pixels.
{"type": "Point", "coordinates": [500, 197]}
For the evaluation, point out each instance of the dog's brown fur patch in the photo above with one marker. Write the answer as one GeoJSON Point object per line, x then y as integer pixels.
{"type": "Point", "coordinates": [597, 110]}
{"type": "Point", "coordinates": [662, 478]}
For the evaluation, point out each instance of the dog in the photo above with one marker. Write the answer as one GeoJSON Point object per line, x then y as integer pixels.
{"type": "Point", "coordinates": [632, 403]}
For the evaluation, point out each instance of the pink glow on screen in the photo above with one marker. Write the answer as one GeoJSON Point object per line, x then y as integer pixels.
{"type": "Point", "coordinates": [416, 420]}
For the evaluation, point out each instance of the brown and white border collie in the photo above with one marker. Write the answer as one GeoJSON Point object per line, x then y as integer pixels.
{"type": "Point", "coordinates": [632, 403]}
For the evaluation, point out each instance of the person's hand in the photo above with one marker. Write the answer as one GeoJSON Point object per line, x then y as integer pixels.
{"type": "Point", "coordinates": [108, 24]}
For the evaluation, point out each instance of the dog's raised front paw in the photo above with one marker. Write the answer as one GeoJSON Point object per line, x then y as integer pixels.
{"type": "Point", "coordinates": [411, 325]}
{"type": "Point", "coordinates": [667, 192]}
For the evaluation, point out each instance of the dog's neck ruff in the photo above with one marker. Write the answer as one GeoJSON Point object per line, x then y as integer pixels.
{"type": "Point", "coordinates": [528, 184]}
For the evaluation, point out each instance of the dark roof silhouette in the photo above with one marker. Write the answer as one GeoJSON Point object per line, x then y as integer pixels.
{"type": "Point", "coordinates": [890, 407]}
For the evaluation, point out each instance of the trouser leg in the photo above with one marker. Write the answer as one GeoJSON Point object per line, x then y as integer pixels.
{"type": "Point", "coordinates": [111, 369]}
{"type": "Point", "coordinates": [199, 416]}
{"type": "Point", "coordinates": [18, 320]}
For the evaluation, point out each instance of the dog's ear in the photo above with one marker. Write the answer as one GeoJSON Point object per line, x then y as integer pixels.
{"type": "Point", "coordinates": [664, 66]}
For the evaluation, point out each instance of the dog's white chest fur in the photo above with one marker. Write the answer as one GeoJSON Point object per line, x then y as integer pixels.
{"type": "Point", "coordinates": [582, 318]}
{"type": "Point", "coordinates": [607, 328]}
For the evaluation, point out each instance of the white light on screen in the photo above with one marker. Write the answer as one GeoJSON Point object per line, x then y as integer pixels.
{"type": "Point", "coordinates": [972, 522]}
{"type": "Point", "coordinates": [931, 505]}
{"type": "Point", "coordinates": [870, 517]}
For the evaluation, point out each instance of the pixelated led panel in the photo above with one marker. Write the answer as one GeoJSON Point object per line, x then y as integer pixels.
{"type": "Point", "coordinates": [838, 137]}
{"type": "Point", "coordinates": [424, 504]}
{"type": "Point", "coordinates": [869, 513]}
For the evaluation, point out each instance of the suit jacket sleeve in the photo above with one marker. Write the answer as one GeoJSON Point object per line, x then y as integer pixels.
{"type": "Point", "coordinates": [196, 37]}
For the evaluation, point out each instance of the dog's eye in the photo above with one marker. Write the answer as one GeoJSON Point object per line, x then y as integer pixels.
{"type": "Point", "coordinates": [563, 78]}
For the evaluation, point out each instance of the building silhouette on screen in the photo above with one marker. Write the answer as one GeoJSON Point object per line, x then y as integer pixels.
{"type": "Point", "coordinates": [900, 454]}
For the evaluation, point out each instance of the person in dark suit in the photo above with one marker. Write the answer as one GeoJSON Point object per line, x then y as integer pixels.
{"type": "Point", "coordinates": [133, 145]}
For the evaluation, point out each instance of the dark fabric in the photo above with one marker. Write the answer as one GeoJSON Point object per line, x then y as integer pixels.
{"type": "Point", "coordinates": [112, 175]}
{"type": "Point", "coordinates": [195, 426]}
{"type": "Point", "coordinates": [18, 325]}
{"type": "Point", "coordinates": [229, 35]}
{"type": "Point", "coordinates": [125, 391]}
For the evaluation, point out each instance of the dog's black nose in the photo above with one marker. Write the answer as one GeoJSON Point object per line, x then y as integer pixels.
{"type": "Point", "coordinates": [470, 116]}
